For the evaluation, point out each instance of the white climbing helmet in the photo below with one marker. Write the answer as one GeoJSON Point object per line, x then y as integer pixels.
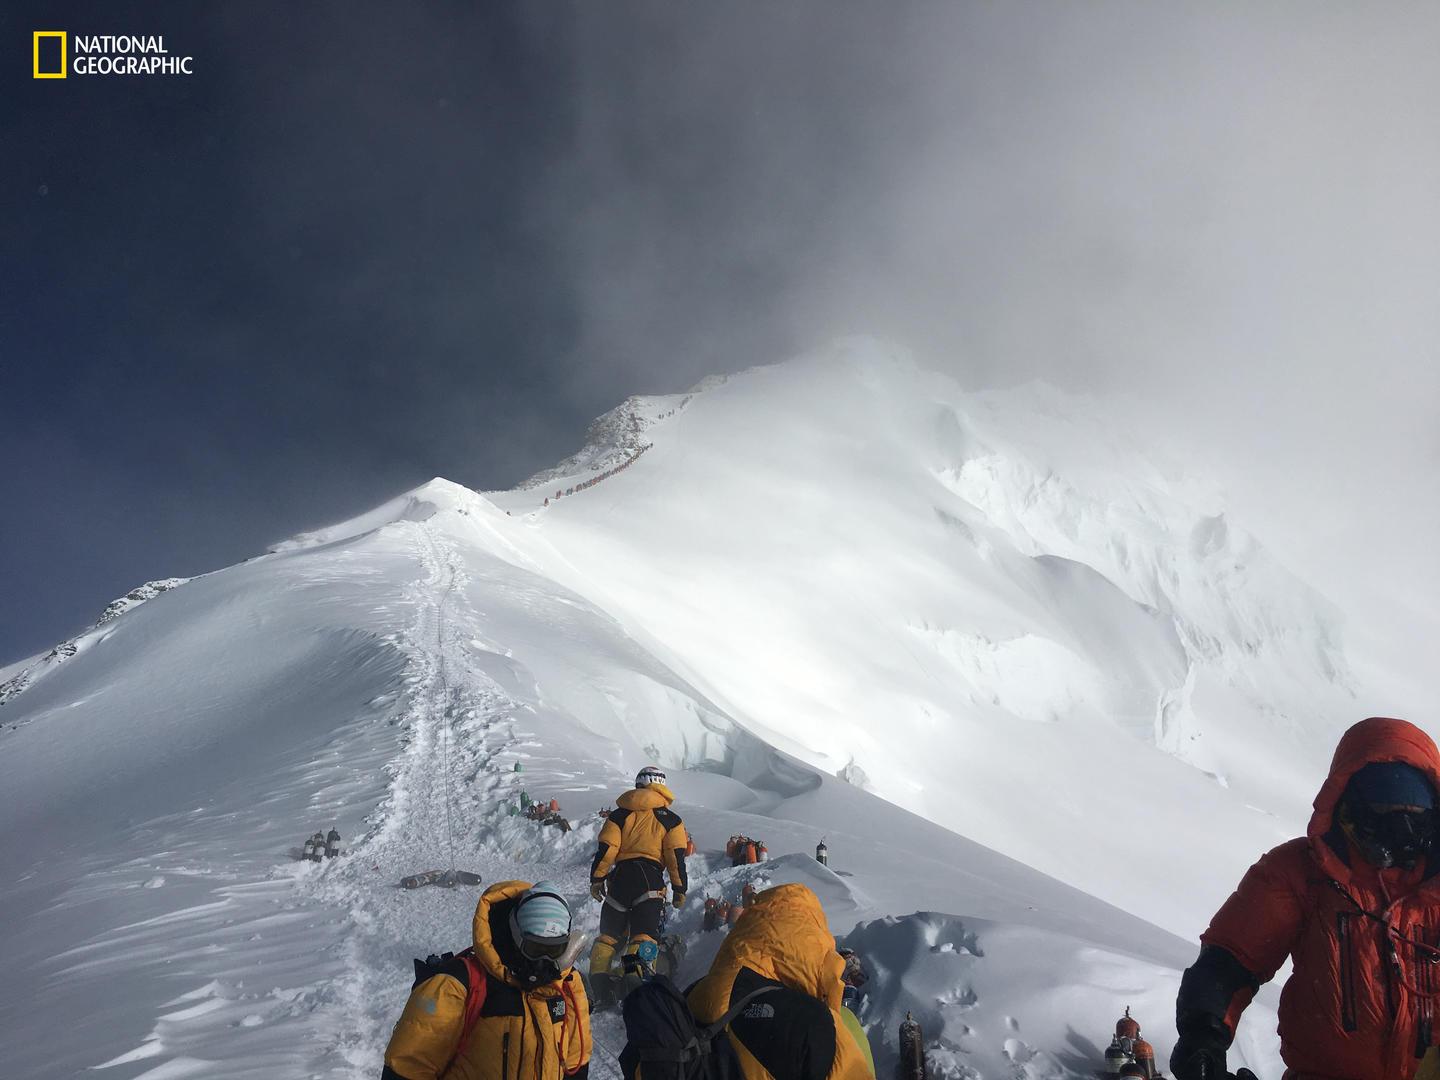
{"type": "Point", "coordinates": [650, 774]}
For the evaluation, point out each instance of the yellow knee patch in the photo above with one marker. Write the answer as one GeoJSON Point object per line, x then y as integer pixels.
{"type": "Point", "coordinates": [602, 955]}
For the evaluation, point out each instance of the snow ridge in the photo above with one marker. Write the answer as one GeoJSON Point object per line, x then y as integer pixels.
{"type": "Point", "coordinates": [839, 576]}
{"type": "Point", "coordinates": [618, 436]}
{"type": "Point", "coordinates": [31, 673]}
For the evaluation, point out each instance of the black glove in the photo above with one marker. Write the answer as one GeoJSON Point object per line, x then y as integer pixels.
{"type": "Point", "coordinates": [1198, 1057]}
{"type": "Point", "coordinates": [1207, 993]}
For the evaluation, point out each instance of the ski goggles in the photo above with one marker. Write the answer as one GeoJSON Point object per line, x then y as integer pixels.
{"type": "Point", "coordinates": [544, 948]}
{"type": "Point", "coordinates": [1397, 824]}
{"type": "Point", "coordinates": [1393, 837]}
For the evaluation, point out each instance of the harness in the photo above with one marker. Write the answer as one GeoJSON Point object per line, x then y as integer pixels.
{"type": "Point", "coordinates": [645, 897]}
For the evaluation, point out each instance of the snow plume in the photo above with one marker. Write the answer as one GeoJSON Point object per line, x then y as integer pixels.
{"type": "Point", "coordinates": [996, 606]}
{"type": "Point", "coordinates": [1192, 204]}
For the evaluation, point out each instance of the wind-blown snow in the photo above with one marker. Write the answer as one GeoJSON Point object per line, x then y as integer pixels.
{"type": "Point", "coordinates": [838, 598]}
{"type": "Point", "coordinates": [1010, 619]}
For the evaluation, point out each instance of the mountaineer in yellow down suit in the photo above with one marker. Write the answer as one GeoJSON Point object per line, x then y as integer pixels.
{"type": "Point", "coordinates": [797, 1029]}
{"type": "Point", "coordinates": [641, 840]}
{"type": "Point", "coordinates": [515, 1009]}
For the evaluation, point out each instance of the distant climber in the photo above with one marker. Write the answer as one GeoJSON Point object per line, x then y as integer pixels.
{"type": "Point", "coordinates": [798, 1028]}
{"type": "Point", "coordinates": [1355, 904]}
{"type": "Point", "coordinates": [510, 1006]}
{"type": "Point", "coordinates": [641, 841]}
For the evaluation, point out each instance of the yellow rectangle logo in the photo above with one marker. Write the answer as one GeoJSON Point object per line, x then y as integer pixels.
{"type": "Point", "coordinates": [64, 55]}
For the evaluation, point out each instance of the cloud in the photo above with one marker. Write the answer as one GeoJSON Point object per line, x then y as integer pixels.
{"type": "Point", "coordinates": [1226, 210]}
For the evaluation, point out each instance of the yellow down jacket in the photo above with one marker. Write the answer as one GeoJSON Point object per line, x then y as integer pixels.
{"type": "Point", "coordinates": [537, 1034]}
{"type": "Point", "coordinates": [795, 1031]}
{"type": "Point", "coordinates": [643, 827]}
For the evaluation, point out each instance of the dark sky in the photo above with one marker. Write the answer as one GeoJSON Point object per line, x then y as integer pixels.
{"type": "Point", "coordinates": [367, 244]}
{"type": "Point", "coordinates": [322, 269]}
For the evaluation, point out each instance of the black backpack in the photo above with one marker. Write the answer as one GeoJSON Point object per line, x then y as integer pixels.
{"type": "Point", "coordinates": [663, 1035]}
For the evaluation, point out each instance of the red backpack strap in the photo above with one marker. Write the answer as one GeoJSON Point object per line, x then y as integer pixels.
{"type": "Point", "coordinates": [474, 1002]}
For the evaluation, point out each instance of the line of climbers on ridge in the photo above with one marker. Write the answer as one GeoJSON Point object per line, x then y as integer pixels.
{"type": "Point", "coordinates": [1354, 904]}
{"type": "Point", "coordinates": [513, 1005]}
{"type": "Point", "coordinates": [584, 484]}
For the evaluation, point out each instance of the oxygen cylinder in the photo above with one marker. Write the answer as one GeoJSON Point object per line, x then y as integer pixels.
{"type": "Point", "coordinates": [1144, 1055]}
{"type": "Point", "coordinates": [1115, 1057]}
{"type": "Point", "coordinates": [762, 853]}
{"type": "Point", "coordinates": [332, 844]}
{"type": "Point", "coordinates": [912, 1050]}
{"type": "Point", "coordinates": [554, 806]}
{"type": "Point", "coordinates": [1127, 1027]}
{"type": "Point", "coordinates": [317, 846]}
{"type": "Point", "coordinates": [722, 912]}
{"type": "Point", "coordinates": [308, 851]}
{"type": "Point", "coordinates": [822, 854]}
{"type": "Point", "coordinates": [730, 846]}
{"type": "Point", "coordinates": [712, 920]}
{"type": "Point", "coordinates": [519, 767]}
{"type": "Point", "coordinates": [747, 894]}
{"type": "Point", "coordinates": [689, 846]}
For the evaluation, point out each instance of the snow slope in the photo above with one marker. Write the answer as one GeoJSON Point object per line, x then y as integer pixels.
{"type": "Point", "coordinates": [848, 599]}
{"type": "Point", "coordinates": [997, 610]}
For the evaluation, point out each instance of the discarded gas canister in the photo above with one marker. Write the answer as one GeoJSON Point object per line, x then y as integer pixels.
{"type": "Point", "coordinates": [1115, 1057]}
{"type": "Point", "coordinates": [1144, 1055]}
{"type": "Point", "coordinates": [912, 1051]}
{"type": "Point", "coordinates": [822, 854]}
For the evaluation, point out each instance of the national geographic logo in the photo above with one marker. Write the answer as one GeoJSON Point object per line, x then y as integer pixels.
{"type": "Point", "coordinates": [105, 54]}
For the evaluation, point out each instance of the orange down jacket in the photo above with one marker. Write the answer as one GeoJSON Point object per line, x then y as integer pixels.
{"type": "Point", "coordinates": [1360, 1004]}
{"type": "Point", "coordinates": [797, 1031]}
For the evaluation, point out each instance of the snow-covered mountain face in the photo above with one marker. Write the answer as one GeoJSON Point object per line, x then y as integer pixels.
{"type": "Point", "coordinates": [1019, 671]}
{"type": "Point", "coordinates": [992, 609]}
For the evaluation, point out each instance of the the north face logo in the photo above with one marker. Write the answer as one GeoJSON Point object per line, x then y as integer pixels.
{"type": "Point", "coordinates": [760, 1011]}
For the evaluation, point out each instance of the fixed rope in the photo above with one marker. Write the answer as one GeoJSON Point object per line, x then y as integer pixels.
{"type": "Point", "coordinates": [446, 716]}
